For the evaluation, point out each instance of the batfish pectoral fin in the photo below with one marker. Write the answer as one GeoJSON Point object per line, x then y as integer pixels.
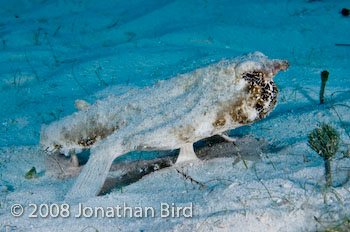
{"type": "Point", "coordinates": [74, 158]}
{"type": "Point", "coordinates": [186, 154]}
{"type": "Point", "coordinates": [90, 181]}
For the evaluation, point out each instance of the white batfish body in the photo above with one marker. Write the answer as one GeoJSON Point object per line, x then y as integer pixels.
{"type": "Point", "coordinates": [172, 114]}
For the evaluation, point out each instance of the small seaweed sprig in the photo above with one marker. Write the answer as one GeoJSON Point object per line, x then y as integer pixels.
{"type": "Point", "coordinates": [324, 79]}
{"type": "Point", "coordinates": [325, 141]}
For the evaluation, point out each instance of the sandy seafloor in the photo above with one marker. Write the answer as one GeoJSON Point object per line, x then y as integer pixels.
{"type": "Point", "coordinates": [54, 52]}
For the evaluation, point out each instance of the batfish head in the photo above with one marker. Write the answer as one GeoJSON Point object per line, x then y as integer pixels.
{"type": "Point", "coordinates": [258, 72]}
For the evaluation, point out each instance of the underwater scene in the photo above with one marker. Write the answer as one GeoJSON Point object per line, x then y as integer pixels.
{"type": "Point", "coordinates": [174, 115]}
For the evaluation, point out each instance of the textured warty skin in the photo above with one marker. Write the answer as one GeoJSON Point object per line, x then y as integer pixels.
{"type": "Point", "coordinates": [172, 114]}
